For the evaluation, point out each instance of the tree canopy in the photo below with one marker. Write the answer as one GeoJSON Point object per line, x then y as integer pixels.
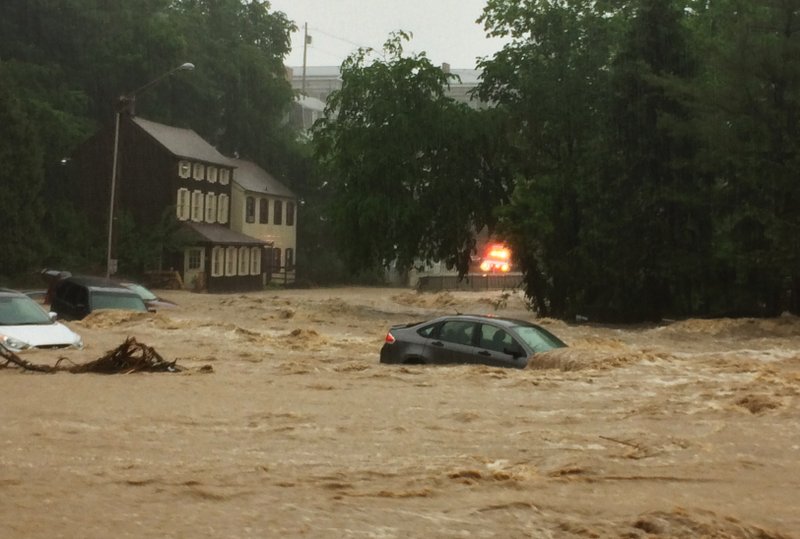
{"type": "Point", "coordinates": [393, 148]}
{"type": "Point", "coordinates": [641, 156]}
{"type": "Point", "coordinates": [65, 63]}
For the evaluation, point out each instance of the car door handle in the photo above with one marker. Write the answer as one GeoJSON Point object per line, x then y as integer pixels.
{"type": "Point", "coordinates": [437, 343]}
{"type": "Point", "coordinates": [484, 353]}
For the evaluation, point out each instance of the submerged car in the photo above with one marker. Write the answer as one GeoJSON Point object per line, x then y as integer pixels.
{"type": "Point", "coordinates": [54, 277]}
{"type": "Point", "coordinates": [74, 297]}
{"type": "Point", "coordinates": [150, 299]}
{"type": "Point", "coordinates": [24, 324]}
{"type": "Point", "coordinates": [488, 340]}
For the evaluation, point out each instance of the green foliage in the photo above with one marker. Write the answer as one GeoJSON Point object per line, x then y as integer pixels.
{"type": "Point", "coordinates": [751, 105]}
{"type": "Point", "coordinates": [239, 95]}
{"type": "Point", "coordinates": [74, 244]}
{"type": "Point", "coordinates": [139, 248]}
{"type": "Point", "coordinates": [21, 179]}
{"type": "Point", "coordinates": [391, 147]}
{"type": "Point", "coordinates": [661, 231]}
{"type": "Point", "coordinates": [653, 146]}
{"type": "Point", "coordinates": [552, 82]}
{"type": "Point", "coordinates": [66, 63]}
{"type": "Point", "coordinates": [640, 156]}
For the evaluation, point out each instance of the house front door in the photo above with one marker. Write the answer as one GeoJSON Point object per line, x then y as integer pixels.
{"type": "Point", "coordinates": [194, 263]}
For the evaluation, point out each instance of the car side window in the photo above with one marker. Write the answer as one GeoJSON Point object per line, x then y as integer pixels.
{"type": "Point", "coordinates": [427, 331]}
{"type": "Point", "coordinates": [492, 338]}
{"type": "Point", "coordinates": [67, 292]}
{"type": "Point", "coordinates": [72, 294]}
{"type": "Point", "coordinates": [78, 295]}
{"type": "Point", "coordinates": [458, 332]}
{"type": "Point", "coordinates": [497, 340]}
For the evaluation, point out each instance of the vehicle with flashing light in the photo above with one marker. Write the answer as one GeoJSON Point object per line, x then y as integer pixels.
{"type": "Point", "coordinates": [496, 259]}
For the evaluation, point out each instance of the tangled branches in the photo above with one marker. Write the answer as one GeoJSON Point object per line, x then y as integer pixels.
{"type": "Point", "coordinates": [130, 356]}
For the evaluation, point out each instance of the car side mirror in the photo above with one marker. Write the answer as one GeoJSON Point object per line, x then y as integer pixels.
{"type": "Point", "coordinates": [53, 316]}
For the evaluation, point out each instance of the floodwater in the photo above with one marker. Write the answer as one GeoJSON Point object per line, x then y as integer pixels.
{"type": "Point", "coordinates": [284, 424]}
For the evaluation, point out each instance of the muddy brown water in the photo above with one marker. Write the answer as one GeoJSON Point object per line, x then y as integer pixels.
{"type": "Point", "coordinates": [286, 425]}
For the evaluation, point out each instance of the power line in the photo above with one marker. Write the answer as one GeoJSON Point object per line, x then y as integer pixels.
{"type": "Point", "coordinates": [344, 40]}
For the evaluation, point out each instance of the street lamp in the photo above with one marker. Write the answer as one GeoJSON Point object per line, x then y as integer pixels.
{"type": "Point", "coordinates": [127, 102]}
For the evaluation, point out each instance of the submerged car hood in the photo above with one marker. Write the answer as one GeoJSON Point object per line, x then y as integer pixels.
{"type": "Point", "coordinates": [43, 335]}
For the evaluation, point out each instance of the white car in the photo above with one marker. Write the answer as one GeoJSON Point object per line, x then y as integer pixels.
{"type": "Point", "coordinates": [25, 324]}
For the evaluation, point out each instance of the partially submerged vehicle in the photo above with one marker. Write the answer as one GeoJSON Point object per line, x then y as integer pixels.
{"type": "Point", "coordinates": [53, 278]}
{"type": "Point", "coordinates": [24, 324]}
{"type": "Point", "coordinates": [76, 297]}
{"type": "Point", "coordinates": [463, 338]}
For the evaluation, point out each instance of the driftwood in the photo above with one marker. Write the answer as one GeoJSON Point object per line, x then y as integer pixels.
{"type": "Point", "coordinates": [130, 356]}
{"type": "Point", "coordinates": [12, 358]}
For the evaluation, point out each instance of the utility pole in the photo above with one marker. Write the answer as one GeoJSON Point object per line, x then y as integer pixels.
{"type": "Point", "coordinates": [306, 41]}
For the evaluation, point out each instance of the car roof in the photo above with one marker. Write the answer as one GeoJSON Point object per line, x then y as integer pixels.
{"type": "Point", "coordinates": [499, 320]}
{"type": "Point", "coordinates": [97, 283]}
{"type": "Point", "coordinates": [10, 292]}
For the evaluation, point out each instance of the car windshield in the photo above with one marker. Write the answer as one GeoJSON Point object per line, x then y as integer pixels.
{"type": "Point", "coordinates": [20, 311]}
{"type": "Point", "coordinates": [143, 293]}
{"type": "Point", "coordinates": [539, 339]}
{"type": "Point", "coordinates": [110, 300]}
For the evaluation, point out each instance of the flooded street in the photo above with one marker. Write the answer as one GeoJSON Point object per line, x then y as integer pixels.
{"type": "Point", "coordinates": [285, 425]}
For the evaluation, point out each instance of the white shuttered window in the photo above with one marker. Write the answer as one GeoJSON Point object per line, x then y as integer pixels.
{"type": "Point", "coordinates": [197, 206]}
{"type": "Point", "coordinates": [182, 205]}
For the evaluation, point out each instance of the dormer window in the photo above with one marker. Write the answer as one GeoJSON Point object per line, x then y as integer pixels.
{"type": "Point", "coordinates": [211, 174]}
{"type": "Point", "coordinates": [184, 169]}
{"type": "Point", "coordinates": [199, 171]}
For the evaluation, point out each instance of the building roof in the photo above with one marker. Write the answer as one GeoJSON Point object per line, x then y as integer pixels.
{"type": "Point", "coordinates": [252, 177]}
{"type": "Point", "coordinates": [468, 76]}
{"type": "Point", "coordinates": [182, 142]}
{"type": "Point", "coordinates": [217, 234]}
{"type": "Point", "coordinates": [316, 71]}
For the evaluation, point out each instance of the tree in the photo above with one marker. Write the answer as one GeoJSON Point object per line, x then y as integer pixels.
{"type": "Point", "coordinates": [68, 61]}
{"type": "Point", "coordinates": [751, 98]}
{"type": "Point", "coordinates": [655, 246]}
{"type": "Point", "coordinates": [239, 96]}
{"type": "Point", "coordinates": [551, 83]}
{"type": "Point", "coordinates": [405, 186]}
{"type": "Point", "coordinates": [21, 177]}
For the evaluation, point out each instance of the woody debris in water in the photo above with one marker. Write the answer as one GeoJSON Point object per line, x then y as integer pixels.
{"type": "Point", "coordinates": [130, 356]}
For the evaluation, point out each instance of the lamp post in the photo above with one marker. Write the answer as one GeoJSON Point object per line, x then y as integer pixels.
{"type": "Point", "coordinates": [127, 101]}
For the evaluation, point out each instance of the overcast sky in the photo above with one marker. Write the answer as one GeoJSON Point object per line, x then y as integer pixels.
{"type": "Point", "coordinates": [445, 29]}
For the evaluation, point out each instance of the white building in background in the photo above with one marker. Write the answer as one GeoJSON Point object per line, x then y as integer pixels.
{"type": "Point", "coordinates": [320, 81]}
{"type": "Point", "coordinates": [305, 111]}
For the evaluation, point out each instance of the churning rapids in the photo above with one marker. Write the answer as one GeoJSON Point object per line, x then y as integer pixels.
{"type": "Point", "coordinates": [284, 424]}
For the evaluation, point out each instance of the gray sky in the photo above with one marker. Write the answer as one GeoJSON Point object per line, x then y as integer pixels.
{"type": "Point", "coordinates": [445, 29]}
